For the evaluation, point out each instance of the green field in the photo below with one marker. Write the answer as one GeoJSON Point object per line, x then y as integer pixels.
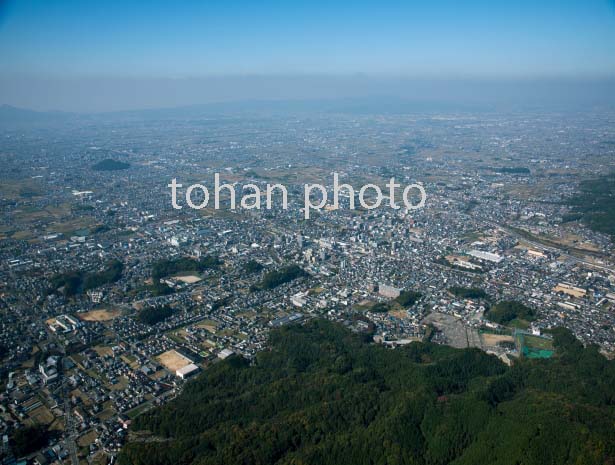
{"type": "Point", "coordinates": [535, 346]}
{"type": "Point", "coordinates": [537, 342]}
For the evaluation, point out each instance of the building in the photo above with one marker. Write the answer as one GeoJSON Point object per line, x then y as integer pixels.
{"type": "Point", "coordinates": [65, 323]}
{"type": "Point", "coordinates": [299, 300]}
{"type": "Point", "coordinates": [570, 290]}
{"type": "Point", "coordinates": [95, 296]}
{"type": "Point", "coordinates": [49, 369]}
{"type": "Point", "coordinates": [293, 318]}
{"type": "Point", "coordinates": [187, 371]}
{"type": "Point", "coordinates": [225, 353]}
{"type": "Point", "coordinates": [536, 253]}
{"type": "Point", "coordinates": [487, 256]}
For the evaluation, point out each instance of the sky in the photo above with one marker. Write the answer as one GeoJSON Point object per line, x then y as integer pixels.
{"type": "Point", "coordinates": [50, 47]}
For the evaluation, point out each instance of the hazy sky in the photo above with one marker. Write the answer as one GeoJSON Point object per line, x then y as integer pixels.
{"type": "Point", "coordinates": [64, 43]}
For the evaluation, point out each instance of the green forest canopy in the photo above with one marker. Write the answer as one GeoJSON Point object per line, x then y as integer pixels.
{"type": "Point", "coordinates": [252, 266]}
{"type": "Point", "coordinates": [408, 298]}
{"type": "Point", "coordinates": [323, 395]}
{"type": "Point", "coordinates": [283, 275]}
{"type": "Point", "coordinates": [595, 204]}
{"type": "Point", "coordinates": [164, 268]}
{"type": "Point", "coordinates": [508, 310]}
{"type": "Point", "coordinates": [151, 316]}
{"type": "Point", "coordinates": [78, 282]}
{"type": "Point", "coordinates": [467, 292]}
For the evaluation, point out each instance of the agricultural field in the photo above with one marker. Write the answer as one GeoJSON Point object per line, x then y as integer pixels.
{"type": "Point", "coordinates": [41, 415]}
{"type": "Point", "coordinates": [401, 314]}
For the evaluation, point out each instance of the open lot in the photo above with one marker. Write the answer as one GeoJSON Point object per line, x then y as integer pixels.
{"type": "Point", "coordinates": [103, 351]}
{"type": "Point", "coordinates": [41, 415]}
{"type": "Point", "coordinates": [87, 439]}
{"type": "Point", "coordinates": [492, 340]}
{"type": "Point", "coordinates": [120, 384]}
{"type": "Point", "coordinates": [173, 360]}
{"type": "Point", "coordinates": [401, 314]}
{"type": "Point", "coordinates": [457, 334]}
{"type": "Point", "coordinates": [188, 279]}
{"type": "Point", "coordinates": [100, 315]}
{"type": "Point", "coordinates": [208, 325]}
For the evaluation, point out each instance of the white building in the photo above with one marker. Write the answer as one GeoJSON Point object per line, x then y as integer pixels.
{"type": "Point", "coordinates": [487, 256]}
{"type": "Point", "coordinates": [298, 300]}
{"type": "Point", "coordinates": [225, 353]}
{"type": "Point", "coordinates": [187, 371]}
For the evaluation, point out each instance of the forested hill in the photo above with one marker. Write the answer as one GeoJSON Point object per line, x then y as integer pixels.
{"type": "Point", "coordinates": [322, 395]}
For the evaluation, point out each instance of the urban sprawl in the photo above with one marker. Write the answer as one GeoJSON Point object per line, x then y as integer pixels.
{"type": "Point", "coordinates": [111, 299]}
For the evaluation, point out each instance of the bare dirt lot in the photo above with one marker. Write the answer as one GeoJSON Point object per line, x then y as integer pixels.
{"type": "Point", "coordinates": [173, 360]}
{"type": "Point", "coordinates": [491, 340]}
{"type": "Point", "coordinates": [401, 314]}
{"type": "Point", "coordinates": [103, 351]}
{"type": "Point", "coordinates": [457, 334]}
{"type": "Point", "coordinates": [100, 315]}
{"type": "Point", "coordinates": [188, 279]}
{"type": "Point", "coordinates": [209, 325]}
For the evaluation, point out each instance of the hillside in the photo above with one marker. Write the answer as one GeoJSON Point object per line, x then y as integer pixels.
{"type": "Point", "coordinates": [322, 395]}
{"type": "Point", "coordinates": [13, 116]}
{"type": "Point", "coordinates": [509, 310]}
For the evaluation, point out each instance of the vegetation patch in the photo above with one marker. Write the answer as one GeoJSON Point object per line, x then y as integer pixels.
{"type": "Point", "coordinates": [78, 282]}
{"type": "Point", "coordinates": [252, 266]}
{"type": "Point", "coordinates": [151, 316]}
{"type": "Point", "coordinates": [408, 298]}
{"type": "Point", "coordinates": [166, 268]}
{"type": "Point", "coordinates": [595, 204]}
{"type": "Point", "coordinates": [278, 277]}
{"type": "Point", "coordinates": [29, 439]}
{"type": "Point", "coordinates": [467, 292]}
{"type": "Point", "coordinates": [509, 310]}
{"type": "Point", "coordinates": [323, 395]}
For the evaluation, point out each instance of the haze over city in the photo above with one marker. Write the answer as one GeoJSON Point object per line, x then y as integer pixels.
{"type": "Point", "coordinates": [324, 233]}
{"type": "Point", "coordinates": [79, 56]}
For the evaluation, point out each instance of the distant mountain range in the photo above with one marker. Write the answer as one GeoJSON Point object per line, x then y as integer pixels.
{"type": "Point", "coordinates": [11, 114]}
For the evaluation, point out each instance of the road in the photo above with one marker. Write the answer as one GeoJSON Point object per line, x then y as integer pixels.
{"type": "Point", "coordinates": [540, 246]}
{"type": "Point", "coordinates": [70, 429]}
